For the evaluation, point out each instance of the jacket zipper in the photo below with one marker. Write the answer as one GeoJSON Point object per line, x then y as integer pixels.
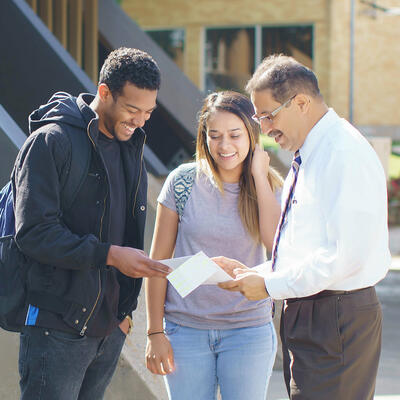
{"type": "Point", "coordinates": [137, 189]}
{"type": "Point", "coordinates": [82, 332]}
{"type": "Point", "coordinates": [102, 217]}
{"type": "Point", "coordinates": [140, 176]}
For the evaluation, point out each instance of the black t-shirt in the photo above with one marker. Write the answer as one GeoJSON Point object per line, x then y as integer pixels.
{"type": "Point", "coordinates": [111, 152]}
{"type": "Point", "coordinates": [106, 317]}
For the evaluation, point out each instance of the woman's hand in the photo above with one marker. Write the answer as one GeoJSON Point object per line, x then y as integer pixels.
{"type": "Point", "coordinates": [159, 355]}
{"type": "Point", "coordinates": [230, 266]}
{"type": "Point", "coordinates": [260, 162]}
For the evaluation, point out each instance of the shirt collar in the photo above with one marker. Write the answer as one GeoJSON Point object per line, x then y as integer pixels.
{"type": "Point", "coordinates": [316, 133]}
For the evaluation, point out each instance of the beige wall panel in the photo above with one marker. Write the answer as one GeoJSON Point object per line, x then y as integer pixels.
{"type": "Point", "coordinates": [60, 21]}
{"type": "Point", "coordinates": [194, 50]}
{"type": "Point", "coordinates": [75, 30]}
{"type": "Point", "coordinates": [46, 13]}
{"type": "Point", "coordinates": [321, 57]}
{"type": "Point", "coordinates": [33, 4]}
{"type": "Point", "coordinates": [339, 57]}
{"type": "Point", "coordinates": [377, 66]}
{"type": "Point", "coordinates": [91, 39]}
{"type": "Point", "coordinates": [221, 12]}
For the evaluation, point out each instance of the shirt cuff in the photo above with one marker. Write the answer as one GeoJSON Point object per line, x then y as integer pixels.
{"type": "Point", "coordinates": [263, 268]}
{"type": "Point", "coordinates": [277, 286]}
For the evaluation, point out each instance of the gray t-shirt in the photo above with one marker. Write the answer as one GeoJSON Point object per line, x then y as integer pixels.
{"type": "Point", "coordinates": [211, 223]}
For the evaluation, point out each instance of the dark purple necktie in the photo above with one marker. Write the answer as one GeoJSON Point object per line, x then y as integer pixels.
{"type": "Point", "coordinates": [295, 166]}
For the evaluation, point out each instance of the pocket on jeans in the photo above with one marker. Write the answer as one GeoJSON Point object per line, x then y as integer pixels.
{"type": "Point", "coordinates": [121, 332]}
{"type": "Point", "coordinates": [171, 327]}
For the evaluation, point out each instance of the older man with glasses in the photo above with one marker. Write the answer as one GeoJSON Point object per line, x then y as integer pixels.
{"type": "Point", "coordinates": [331, 244]}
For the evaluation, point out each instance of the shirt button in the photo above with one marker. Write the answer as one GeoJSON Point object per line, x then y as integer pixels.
{"type": "Point", "coordinates": [77, 321]}
{"type": "Point", "coordinates": [98, 202]}
{"type": "Point", "coordinates": [142, 208]}
{"type": "Point", "coordinates": [83, 309]}
{"type": "Point", "coordinates": [47, 333]}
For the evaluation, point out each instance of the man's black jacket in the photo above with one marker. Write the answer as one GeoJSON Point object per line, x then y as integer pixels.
{"type": "Point", "coordinates": [70, 247]}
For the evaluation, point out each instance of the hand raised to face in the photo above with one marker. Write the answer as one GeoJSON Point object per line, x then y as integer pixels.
{"type": "Point", "coordinates": [260, 162]}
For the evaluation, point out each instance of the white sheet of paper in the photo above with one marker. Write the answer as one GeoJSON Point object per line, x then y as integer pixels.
{"type": "Point", "coordinates": [174, 263]}
{"type": "Point", "coordinates": [219, 276]}
{"type": "Point", "coordinates": [194, 271]}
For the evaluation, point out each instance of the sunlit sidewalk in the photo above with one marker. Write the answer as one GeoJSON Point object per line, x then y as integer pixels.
{"type": "Point", "coordinates": [395, 263]}
{"type": "Point", "coordinates": [277, 389]}
{"type": "Point", "coordinates": [388, 397]}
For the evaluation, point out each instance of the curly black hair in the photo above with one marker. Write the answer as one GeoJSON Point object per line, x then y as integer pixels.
{"type": "Point", "coordinates": [129, 65]}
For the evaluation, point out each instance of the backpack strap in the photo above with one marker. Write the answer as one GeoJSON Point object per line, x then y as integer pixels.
{"type": "Point", "coordinates": [79, 166]}
{"type": "Point", "coordinates": [7, 219]}
{"type": "Point", "coordinates": [183, 183]}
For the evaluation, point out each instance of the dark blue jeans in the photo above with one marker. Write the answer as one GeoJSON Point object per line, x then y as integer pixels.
{"type": "Point", "coordinates": [55, 365]}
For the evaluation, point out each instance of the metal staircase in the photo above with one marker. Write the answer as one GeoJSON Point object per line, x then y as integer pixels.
{"type": "Point", "coordinates": [51, 45]}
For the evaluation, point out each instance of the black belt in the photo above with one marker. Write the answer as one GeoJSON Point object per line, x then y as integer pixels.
{"type": "Point", "coordinates": [326, 293]}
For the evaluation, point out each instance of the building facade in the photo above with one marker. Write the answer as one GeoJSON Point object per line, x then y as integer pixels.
{"type": "Point", "coordinates": [218, 44]}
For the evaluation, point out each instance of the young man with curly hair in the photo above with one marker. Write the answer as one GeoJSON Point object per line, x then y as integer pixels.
{"type": "Point", "coordinates": [87, 261]}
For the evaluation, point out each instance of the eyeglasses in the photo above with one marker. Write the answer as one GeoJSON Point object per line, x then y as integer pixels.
{"type": "Point", "coordinates": [273, 113]}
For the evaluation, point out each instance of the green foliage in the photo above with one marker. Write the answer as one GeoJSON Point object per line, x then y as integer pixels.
{"type": "Point", "coordinates": [394, 166]}
{"type": "Point", "coordinates": [269, 143]}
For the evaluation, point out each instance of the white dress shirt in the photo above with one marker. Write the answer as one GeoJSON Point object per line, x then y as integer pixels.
{"type": "Point", "coordinates": [336, 234]}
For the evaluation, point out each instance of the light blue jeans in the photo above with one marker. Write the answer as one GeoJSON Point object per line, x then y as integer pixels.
{"type": "Point", "coordinates": [239, 361]}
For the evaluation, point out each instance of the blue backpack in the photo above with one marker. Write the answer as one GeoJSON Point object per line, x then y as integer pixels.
{"type": "Point", "coordinates": [14, 265]}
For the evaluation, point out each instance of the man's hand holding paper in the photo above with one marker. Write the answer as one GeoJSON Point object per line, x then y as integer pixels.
{"type": "Point", "coordinates": [247, 281]}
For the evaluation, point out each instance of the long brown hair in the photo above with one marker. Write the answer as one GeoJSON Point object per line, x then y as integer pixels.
{"type": "Point", "coordinates": [240, 106]}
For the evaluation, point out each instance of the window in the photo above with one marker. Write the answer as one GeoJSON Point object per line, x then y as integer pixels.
{"type": "Point", "coordinates": [229, 58]}
{"type": "Point", "coordinates": [172, 41]}
{"type": "Point", "coordinates": [295, 41]}
{"type": "Point", "coordinates": [232, 53]}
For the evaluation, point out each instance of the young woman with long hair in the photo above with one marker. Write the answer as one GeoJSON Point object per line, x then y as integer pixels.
{"type": "Point", "coordinates": [213, 337]}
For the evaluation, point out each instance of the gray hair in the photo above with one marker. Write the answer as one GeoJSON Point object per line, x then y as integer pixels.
{"type": "Point", "coordinates": [284, 77]}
